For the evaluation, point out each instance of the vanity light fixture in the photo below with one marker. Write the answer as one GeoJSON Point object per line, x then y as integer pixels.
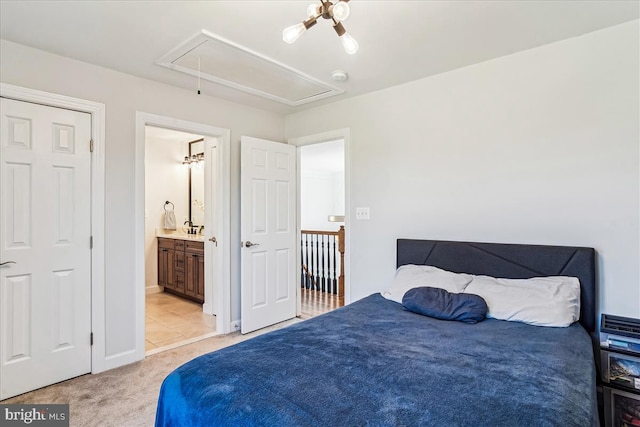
{"type": "Point", "coordinates": [328, 10]}
{"type": "Point", "coordinates": [197, 160]}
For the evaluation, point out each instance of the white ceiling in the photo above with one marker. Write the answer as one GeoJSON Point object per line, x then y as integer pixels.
{"type": "Point", "coordinates": [400, 41]}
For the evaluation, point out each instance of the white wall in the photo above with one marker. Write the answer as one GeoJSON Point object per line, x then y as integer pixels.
{"type": "Point", "coordinates": [166, 179]}
{"type": "Point", "coordinates": [338, 191]}
{"type": "Point", "coordinates": [315, 200]}
{"type": "Point", "coordinates": [321, 185]}
{"type": "Point", "coordinates": [321, 195]}
{"type": "Point", "coordinates": [541, 146]}
{"type": "Point", "coordinates": [123, 95]}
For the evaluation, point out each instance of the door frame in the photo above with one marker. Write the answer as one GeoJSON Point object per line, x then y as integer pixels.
{"type": "Point", "coordinates": [345, 135]}
{"type": "Point", "coordinates": [97, 112]}
{"type": "Point", "coordinates": [223, 294]}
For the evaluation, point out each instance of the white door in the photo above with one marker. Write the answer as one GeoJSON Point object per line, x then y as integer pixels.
{"type": "Point", "coordinates": [268, 230]}
{"type": "Point", "coordinates": [45, 294]}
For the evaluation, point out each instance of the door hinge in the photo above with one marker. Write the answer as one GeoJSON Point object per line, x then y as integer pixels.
{"type": "Point", "coordinates": [91, 145]}
{"type": "Point", "coordinates": [91, 339]}
{"type": "Point", "coordinates": [91, 242]}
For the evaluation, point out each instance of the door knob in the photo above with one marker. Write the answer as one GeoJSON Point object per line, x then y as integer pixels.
{"type": "Point", "coordinates": [7, 262]}
{"type": "Point", "coordinates": [249, 243]}
{"type": "Point", "coordinates": [214, 240]}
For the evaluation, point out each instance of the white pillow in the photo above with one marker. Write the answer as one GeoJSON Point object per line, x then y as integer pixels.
{"type": "Point", "coordinates": [541, 301]}
{"type": "Point", "coordinates": [412, 276]}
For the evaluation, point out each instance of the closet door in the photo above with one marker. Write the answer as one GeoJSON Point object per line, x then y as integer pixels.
{"type": "Point", "coordinates": [45, 246]}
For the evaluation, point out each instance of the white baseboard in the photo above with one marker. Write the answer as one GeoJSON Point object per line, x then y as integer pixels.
{"type": "Point", "coordinates": [208, 309]}
{"type": "Point", "coordinates": [122, 359]}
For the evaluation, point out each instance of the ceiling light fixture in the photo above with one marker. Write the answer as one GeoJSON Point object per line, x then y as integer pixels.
{"type": "Point", "coordinates": [328, 10]}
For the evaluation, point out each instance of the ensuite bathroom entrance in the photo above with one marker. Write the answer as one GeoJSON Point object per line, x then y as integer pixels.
{"type": "Point", "coordinates": [174, 239]}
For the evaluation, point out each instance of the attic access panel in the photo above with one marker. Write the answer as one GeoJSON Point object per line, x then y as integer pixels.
{"type": "Point", "coordinates": [235, 66]}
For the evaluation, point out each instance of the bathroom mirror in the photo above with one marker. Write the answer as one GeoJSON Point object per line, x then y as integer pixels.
{"type": "Point", "coordinates": [196, 184]}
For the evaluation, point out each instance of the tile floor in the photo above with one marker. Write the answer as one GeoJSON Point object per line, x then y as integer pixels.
{"type": "Point", "coordinates": [170, 319]}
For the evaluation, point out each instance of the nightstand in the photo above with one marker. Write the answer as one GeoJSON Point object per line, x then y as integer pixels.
{"type": "Point", "coordinates": [620, 370]}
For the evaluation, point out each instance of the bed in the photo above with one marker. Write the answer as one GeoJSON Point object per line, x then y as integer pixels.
{"type": "Point", "coordinates": [374, 363]}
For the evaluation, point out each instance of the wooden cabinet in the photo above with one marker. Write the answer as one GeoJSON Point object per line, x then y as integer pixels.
{"type": "Point", "coordinates": [194, 259]}
{"type": "Point", "coordinates": [179, 251]}
{"type": "Point", "coordinates": [181, 267]}
{"type": "Point", "coordinates": [166, 263]}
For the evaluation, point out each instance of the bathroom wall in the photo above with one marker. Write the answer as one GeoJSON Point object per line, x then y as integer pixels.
{"type": "Point", "coordinates": [166, 178]}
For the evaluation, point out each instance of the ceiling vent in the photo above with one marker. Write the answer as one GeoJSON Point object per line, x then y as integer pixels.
{"type": "Point", "coordinates": [221, 61]}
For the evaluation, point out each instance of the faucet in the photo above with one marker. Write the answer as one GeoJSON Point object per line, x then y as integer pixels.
{"type": "Point", "coordinates": [201, 229]}
{"type": "Point", "coordinates": [191, 228]}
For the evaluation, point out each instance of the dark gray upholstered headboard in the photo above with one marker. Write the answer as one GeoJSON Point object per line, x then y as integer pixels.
{"type": "Point", "coordinates": [513, 261]}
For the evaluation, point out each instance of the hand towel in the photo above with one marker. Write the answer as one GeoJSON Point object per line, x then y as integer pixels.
{"type": "Point", "coordinates": [169, 220]}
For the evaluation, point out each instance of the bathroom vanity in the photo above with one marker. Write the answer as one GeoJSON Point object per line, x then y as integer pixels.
{"type": "Point", "coordinates": [181, 265]}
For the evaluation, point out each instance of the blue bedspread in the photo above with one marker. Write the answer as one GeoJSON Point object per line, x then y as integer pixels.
{"type": "Point", "coordinates": [373, 363]}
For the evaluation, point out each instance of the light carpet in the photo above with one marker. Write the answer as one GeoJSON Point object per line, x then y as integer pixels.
{"type": "Point", "coordinates": [127, 396]}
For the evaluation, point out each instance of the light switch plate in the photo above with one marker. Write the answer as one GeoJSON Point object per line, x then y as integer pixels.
{"type": "Point", "coordinates": [362, 214]}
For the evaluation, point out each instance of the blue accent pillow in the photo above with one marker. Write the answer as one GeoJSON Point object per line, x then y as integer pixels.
{"type": "Point", "coordinates": [441, 304]}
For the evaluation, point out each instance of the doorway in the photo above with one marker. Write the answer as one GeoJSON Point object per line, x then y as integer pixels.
{"type": "Point", "coordinates": [323, 217]}
{"type": "Point", "coordinates": [184, 254]}
{"type": "Point", "coordinates": [174, 239]}
{"type": "Point", "coordinates": [322, 231]}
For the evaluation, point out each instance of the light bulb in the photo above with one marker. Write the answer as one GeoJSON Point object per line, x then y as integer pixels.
{"type": "Point", "coordinates": [350, 44]}
{"type": "Point", "coordinates": [292, 33]}
{"type": "Point", "coordinates": [312, 10]}
{"type": "Point", "coordinates": [341, 11]}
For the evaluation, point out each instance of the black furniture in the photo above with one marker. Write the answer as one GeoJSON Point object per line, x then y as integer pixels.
{"type": "Point", "coordinates": [620, 370]}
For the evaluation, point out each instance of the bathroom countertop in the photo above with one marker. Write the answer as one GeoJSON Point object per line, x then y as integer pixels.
{"type": "Point", "coordinates": [181, 236]}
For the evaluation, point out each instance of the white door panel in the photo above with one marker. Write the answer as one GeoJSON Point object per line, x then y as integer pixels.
{"type": "Point", "coordinates": [268, 230]}
{"type": "Point", "coordinates": [45, 305]}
